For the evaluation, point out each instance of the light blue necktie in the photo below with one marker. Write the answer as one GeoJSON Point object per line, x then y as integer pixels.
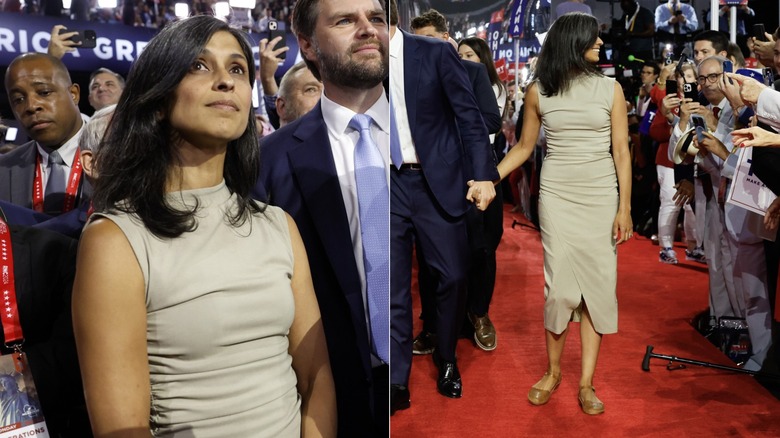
{"type": "Point", "coordinates": [395, 143]}
{"type": "Point", "coordinates": [374, 211]}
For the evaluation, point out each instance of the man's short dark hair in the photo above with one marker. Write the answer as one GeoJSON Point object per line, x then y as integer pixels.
{"type": "Point", "coordinates": [654, 65]}
{"type": "Point", "coordinates": [432, 17]}
{"type": "Point", "coordinates": [719, 40]}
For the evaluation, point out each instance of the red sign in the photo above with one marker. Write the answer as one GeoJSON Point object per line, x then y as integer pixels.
{"type": "Point", "coordinates": [503, 72]}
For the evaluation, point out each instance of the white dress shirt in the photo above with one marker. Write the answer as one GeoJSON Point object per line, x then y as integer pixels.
{"type": "Point", "coordinates": [398, 96]}
{"type": "Point", "coordinates": [343, 140]}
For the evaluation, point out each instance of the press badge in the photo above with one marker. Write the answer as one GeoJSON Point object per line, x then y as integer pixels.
{"type": "Point", "coordinates": [20, 412]}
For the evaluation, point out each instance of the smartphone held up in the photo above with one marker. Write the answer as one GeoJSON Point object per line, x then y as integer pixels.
{"type": "Point", "coordinates": [87, 38]}
{"type": "Point", "coordinates": [273, 32]}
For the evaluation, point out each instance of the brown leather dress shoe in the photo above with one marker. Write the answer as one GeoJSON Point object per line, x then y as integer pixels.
{"type": "Point", "coordinates": [484, 332]}
{"type": "Point", "coordinates": [590, 404]}
{"type": "Point", "coordinates": [538, 396]}
{"type": "Point", "coordinates": [424, 343]}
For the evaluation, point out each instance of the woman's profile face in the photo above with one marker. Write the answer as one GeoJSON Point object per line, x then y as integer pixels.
{"type": "Point", "coordinates": [466, 52]}
{"type": "Point", "coordinates": [592, 54]}
{"type": "Point", "coordinates": [211, 104]}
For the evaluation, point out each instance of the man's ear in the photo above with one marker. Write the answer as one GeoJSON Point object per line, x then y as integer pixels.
{"type": "Point", "coordinates": [75, 93]}
{"type": "Point", "coordinates": [86, 157]}
{"type": "Point", "coordinates": [281, 107]}
{"type": "Point", "coordinates": [307, 48]}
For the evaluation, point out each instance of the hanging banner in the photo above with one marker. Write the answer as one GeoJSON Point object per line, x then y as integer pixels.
{"type": "Point", "coordinates": [117, 45]}
{"type": "Point", "coordinates": [516, 18]}
{"type": "Point", "coordinates": [527, 49]}
{"type": "Point", "coordinates": [494, 30]}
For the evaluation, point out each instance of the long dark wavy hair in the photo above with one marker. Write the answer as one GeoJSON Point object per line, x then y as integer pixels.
{"type": "Point", "coordinates": [136, 156]}
{"type": "Point", "coordinates": [562, 58]}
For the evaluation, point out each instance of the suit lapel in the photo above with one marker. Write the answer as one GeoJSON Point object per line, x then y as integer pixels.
{"type": "Point", "coordinates": [22, 175]}
{"type": "Point", "coordinates": [314, 170]}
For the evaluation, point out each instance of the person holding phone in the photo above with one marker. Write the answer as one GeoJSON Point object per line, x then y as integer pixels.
{"type": "Point", "coordinates": [674, 192]}
{"type": "Point", "coordinates": [674, 22]}
{"type": "Point", "coordinates": [676, 18]}
{"type": "Point", "coordinates": [762, 45]}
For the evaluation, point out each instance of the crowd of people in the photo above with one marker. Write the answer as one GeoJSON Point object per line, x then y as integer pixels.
{"type": "Point", "coordinates": [153, 14]}
{"type": "Point", "coordinates": [234, 271]}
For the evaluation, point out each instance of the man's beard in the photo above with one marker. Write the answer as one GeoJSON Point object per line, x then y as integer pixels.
{"type": "Point", "coordinates": [343, 70]}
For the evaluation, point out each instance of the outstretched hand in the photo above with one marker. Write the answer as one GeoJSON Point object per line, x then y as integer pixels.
{"type": "Point", "coordinates": [749, 88]}
{"type": "Point", "coordinates": [755, 136]}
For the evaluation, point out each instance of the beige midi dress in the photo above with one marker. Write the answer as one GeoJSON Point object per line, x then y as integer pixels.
{"type": "Point", "coordinates": [578, 201]}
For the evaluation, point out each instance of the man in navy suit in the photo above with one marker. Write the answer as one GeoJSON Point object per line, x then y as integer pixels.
{"type": "Point", "coordinates": [45, 101]}
{"type": "Point", "coordinates": [307, 168]}
{"type": "Point", "coordinates": [443, 144]}
{"type": "Point", "coordinates": [433, 24]}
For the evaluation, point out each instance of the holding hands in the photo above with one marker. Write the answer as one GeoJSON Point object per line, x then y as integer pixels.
{"type": "Point", "coordinates": [481, 193]}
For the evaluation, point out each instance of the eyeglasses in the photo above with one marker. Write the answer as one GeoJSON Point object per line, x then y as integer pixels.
{"type": "Point", "coordinates": [711, 78]}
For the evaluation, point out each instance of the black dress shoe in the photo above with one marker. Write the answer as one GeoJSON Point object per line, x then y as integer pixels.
{"type": "Point", "coordinates": [448, 383]}
{"type": "Point", "coordinates": [424, 343]}
{"type": "Point", "coordinates": [399, 398]}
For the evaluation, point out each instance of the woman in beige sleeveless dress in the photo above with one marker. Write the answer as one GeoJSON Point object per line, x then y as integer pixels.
{"type": "Point", "coordinates": [193, 306]}
{"type": "Point", "coordinates": [584, 200]}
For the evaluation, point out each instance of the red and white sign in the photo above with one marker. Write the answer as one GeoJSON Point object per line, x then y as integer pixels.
{"type": "Point", "coordinates": [501, 69]}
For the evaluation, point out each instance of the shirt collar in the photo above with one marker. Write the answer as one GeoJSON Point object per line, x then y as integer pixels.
{"type": "Point", "coordinates": [337, 117]}
{"type": "Point", "coordinates": [397, 44]}
{"type": "Point", "coordinates": [67, 151]}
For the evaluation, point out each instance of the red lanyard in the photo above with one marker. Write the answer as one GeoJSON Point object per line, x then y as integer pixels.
{"type": "Point", "coordinates": [9, 313]}
{"type": "Point", "coordinates": [71, 190]}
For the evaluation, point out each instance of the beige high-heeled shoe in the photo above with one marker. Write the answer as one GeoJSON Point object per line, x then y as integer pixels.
{"type": "Point", "coordinates": [589, 403]}
{"type": "Point", "coordinates": [538, 396]}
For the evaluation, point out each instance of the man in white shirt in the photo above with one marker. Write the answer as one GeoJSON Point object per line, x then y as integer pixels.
{"type": "Point", "coordinates": [309, 168]}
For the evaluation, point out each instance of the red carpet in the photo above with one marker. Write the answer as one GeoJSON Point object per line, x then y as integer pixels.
{"type": "Point", "coordinates": [656, 304]}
